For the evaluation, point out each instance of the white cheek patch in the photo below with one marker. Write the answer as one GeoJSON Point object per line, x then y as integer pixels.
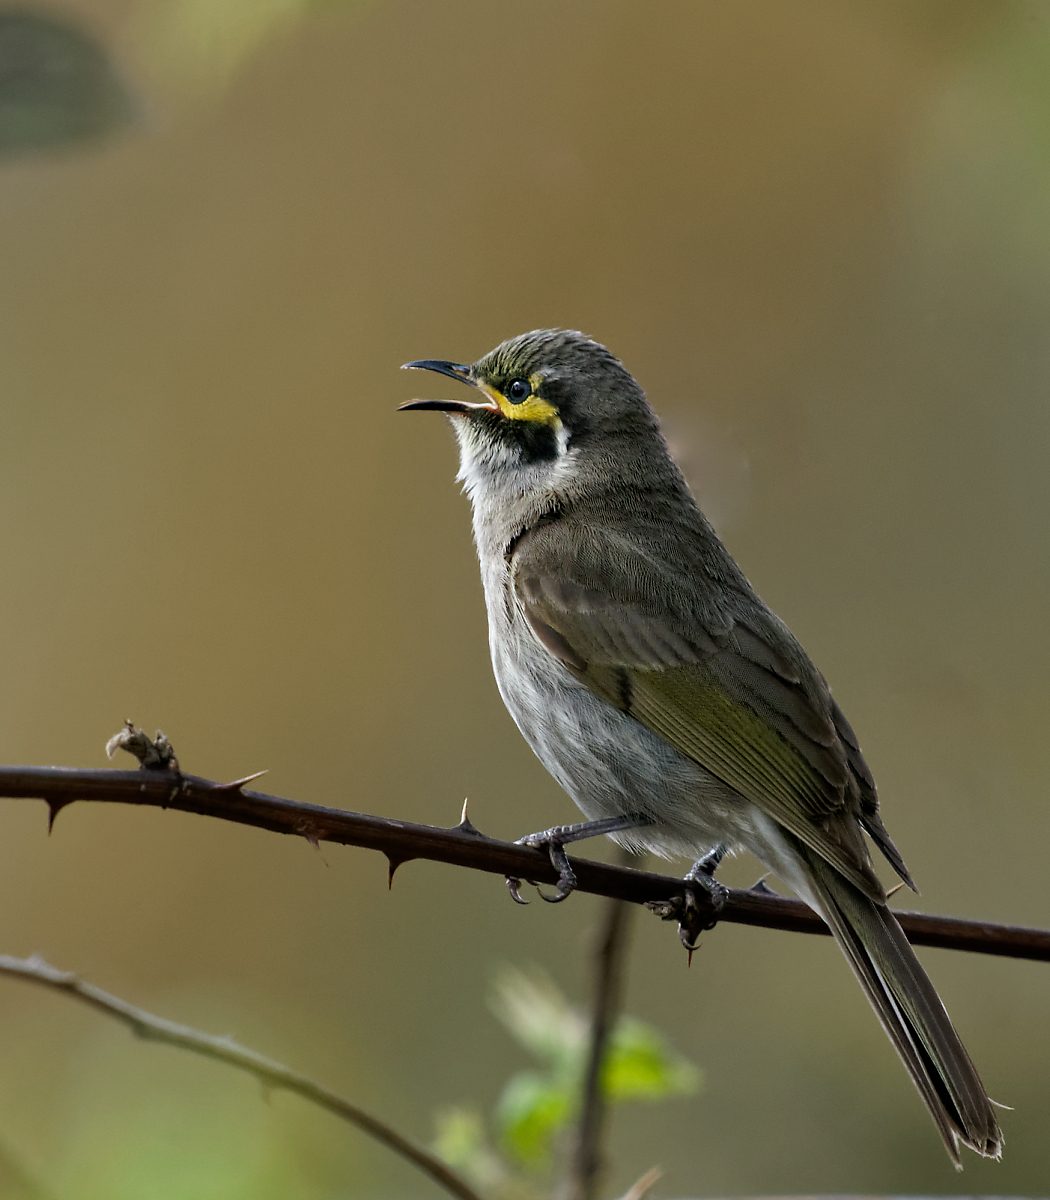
{"type": "Point", "coordinates": [482, 460]}
{"type": "Point", "coordinates": [496, 469]}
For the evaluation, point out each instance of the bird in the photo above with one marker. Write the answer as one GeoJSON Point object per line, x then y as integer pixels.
{"type": "Point", "coordinates": [678, 712]}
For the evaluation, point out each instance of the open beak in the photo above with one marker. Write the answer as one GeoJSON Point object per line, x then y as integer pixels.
{"type": "Point", "coordinates": [453, 371]}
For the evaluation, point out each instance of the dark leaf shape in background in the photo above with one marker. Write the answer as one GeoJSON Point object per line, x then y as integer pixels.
{"type": "Point", "coordinates": [57, 85]}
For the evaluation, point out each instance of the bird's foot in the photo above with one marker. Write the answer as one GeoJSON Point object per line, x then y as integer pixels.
{"type": "Point", "coordinates": [697, 918]}
{"type": "Point", "coordinates": [554, 841]}
{"type": "Point", "coordinates": [694, 916]}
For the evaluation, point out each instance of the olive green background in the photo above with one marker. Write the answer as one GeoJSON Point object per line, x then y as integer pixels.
{"type": "Point", "coordinates": [817, 233]}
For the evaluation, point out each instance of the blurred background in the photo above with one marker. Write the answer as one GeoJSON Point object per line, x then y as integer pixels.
{"type": "Point", "coordinates": [817, 233]}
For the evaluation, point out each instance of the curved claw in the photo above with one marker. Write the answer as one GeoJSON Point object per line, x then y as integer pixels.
{"type": "Point", "coordinates": [566, 875]}
{"type": "Point", "coordinates": [547, 840]}
{"type": "Point", "coordinates": [562, 893]}
{"type": "Point", "coordinates": [692, 922]}
{"type": "Point", "coordinates": [514, 887]}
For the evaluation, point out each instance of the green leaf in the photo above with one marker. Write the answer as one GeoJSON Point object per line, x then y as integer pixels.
{"type": "Point", "coordinates": [460, 1136]}
{"type": "Point", "coordinates": [641, 1065]}
{"type": "Point", "coordinates": [531, 1112]}
{"type": "Point", "coordinates": [461, 1140]}
{"type": "Point", "coordinates": [537, 1106]}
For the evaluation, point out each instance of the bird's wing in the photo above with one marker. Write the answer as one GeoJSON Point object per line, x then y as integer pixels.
{"type": "Point", "coordinates": [728, 686]}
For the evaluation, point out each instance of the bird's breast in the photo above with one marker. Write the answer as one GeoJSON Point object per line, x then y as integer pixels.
{"type": "Point", "coordinates": [608, 763]}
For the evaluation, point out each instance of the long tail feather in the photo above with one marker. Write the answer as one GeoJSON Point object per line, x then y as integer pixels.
{"type": "Point", "coordinates": [910, 1010]}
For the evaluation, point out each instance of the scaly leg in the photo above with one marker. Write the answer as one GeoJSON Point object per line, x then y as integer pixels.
{"type": "Point", "coordinates": [555, 839]}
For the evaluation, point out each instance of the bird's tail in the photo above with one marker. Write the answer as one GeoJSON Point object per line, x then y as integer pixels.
{"type": "Point", "coordinates": [910, 1010]}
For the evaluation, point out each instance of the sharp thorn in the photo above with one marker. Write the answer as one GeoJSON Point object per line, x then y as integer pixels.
{"type": "Point", "coordinates": [54, 807]}
{"type": "Point", "coordinates": [392, 865]}
{"type": "Point", "coordinates": [897, 887]}
{"type": "Point", "coordinates": [238, 785]}
{"type": "Point", "coordinates": [465, 824]}
{"type": "Point", "coordinates": [762, 888]}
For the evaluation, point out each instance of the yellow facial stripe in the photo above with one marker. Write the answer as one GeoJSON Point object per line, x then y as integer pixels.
{"type": "Point", "coordinates": [535, 408]}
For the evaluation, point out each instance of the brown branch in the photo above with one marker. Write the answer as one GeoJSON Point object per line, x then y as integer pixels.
{"type": "Point", "coordinates": [464, 846]}
{"type": "Point", "coordinates": [224, 1049]}
{"type": "Point", "coordinates": [585, 1163]}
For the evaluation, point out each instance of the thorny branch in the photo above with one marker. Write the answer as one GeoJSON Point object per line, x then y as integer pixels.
{"type": "Point", "coordinates": [269, 1072]}
{"type": "Point", "coordinates": [463, 846]}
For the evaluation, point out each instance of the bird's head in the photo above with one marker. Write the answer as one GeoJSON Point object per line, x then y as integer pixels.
{"type": "Point", "coordinates": [540, 400]}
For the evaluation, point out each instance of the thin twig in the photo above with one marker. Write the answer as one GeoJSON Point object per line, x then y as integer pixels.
{"type": "Point", "coordinates": [642, 1187]}
{"type": "Point", "coordinates": [464, 846]}
{"type": "Point", "coordinates": [585, 1161]}
{"type": "Point", "coordinates": [266, 1070]}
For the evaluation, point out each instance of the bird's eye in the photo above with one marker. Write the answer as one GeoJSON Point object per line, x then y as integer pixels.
{"type": "Point", "coordinates": [517, 391]}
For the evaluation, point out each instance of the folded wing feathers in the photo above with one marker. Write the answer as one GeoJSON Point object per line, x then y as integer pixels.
{"type": "Point", "coordinates": [798, 757]}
